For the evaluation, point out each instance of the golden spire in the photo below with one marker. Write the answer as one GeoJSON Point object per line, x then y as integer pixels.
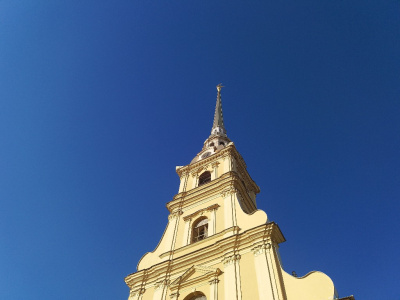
{"type": "Point", "coordinates": [218, 118]}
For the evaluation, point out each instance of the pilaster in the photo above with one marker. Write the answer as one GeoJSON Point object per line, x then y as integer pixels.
{"type": "Point", "coordinates": [173, 220]}
{"type": "Point", "coordinates": [212, 223]}
{"type": "Point", "coordinates": [268, 279]}
{"type": "Point", "coordinates": [136, 294]}
{"type": "Point", "coordinates": [214, 173]}
{"type": "Point", "coordinates": [232, 278]}
{"type": "Point", "coordinates": [229, 206]}
{"type": "Point", "coordinates": [186, 233]}
{"type": "Point", "coordinates": [214, 289]}
{"type": "Point", "coordinates": [184, 179]}
{"type": "Point", "coordinates": [195, 179]}
{"type": "Point", "coordinates": [160, 290]}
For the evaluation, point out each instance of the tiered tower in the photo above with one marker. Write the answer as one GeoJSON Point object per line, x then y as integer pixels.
{"type": "Point", "coordinates": [217, 244]}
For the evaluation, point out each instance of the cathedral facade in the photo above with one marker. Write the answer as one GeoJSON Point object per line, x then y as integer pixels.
{"type": "Point", "coordinates": [217, 244]}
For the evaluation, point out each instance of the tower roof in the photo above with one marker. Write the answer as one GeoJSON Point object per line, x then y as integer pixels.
{"type": "Point", "coordinates": [218, 128]}
{"type": "Point", "coordinates": [218, 117]}
{"type": "Point", "coordinates": [218, 138]}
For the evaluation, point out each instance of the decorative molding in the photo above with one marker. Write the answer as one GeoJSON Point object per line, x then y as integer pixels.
{"type": "Point", "coordinates": [138, 292]}
{"type": "Point", "coordinates": [193, 278]}
{"type": "Point", "coordinates": [213, 281]}
{"type": "Point", "coordinates": [200, 211]}
{"type": "Point", "coordinates": [220, 245]}
{"type": "Point", "coordinates": [260, 249]}
{"type": "Point", "coordinates": [231, 259]}
{"type": "Point", "coordinates": [161, 284]}
{"type": "Point", "coordinates": [175, 214]}
{"type": "Point", "coordinates": [174, 295]}
{"type": "Point", "coordinates": [183, 174]}
{"type": "Point", "coordinates": [229, 191]}
{"type": "Point", "coordinates": [221, 153]}
{"type": "Point", "coordinates": [215, 164]}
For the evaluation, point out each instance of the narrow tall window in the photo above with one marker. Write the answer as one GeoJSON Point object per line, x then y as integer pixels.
{"type": "Point", "coordinates": [204, 178]}
{"type": "Point", "coordinates": [200, 230]}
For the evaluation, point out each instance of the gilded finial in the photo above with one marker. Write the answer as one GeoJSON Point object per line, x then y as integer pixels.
{"type": "Point", "coordinates": [219, 87]}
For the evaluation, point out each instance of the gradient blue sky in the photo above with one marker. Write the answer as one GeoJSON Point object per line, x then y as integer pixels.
{"type": "Point", "coordinates": [100, 100]}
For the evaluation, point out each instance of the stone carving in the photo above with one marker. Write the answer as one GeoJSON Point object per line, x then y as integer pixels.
{"type": "Point", "coordinates": [215, 164]}
{"type": "Point", "coordinates": [175, 214]}
{"type": "Point", "coordinates": [174, 295]}
{"type": "Point", "coordinates": [261, 249]}
{"type": "Point", "coordinates": [201, 212]}
{"type": "Point", "coordinates": [229, 191]}
{"type": "Point", "coordinates": [231, 259]}
{"type": "Point", "coordinates": [213, 281]}
{"type": "Point", "coordinates": [160, 284]}
{"type": "Point", "coordinates": [135, 293]}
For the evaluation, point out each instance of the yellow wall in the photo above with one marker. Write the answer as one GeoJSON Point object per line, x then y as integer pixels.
{"type": "Point", "coordinates": [237, 261]}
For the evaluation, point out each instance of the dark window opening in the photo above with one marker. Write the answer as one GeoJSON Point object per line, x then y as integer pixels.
{"type": "Point", "coordinates": [221, 143]}
{"type": "Point", "coordinates": [212, 145]}
{"type": "Point", "coordinates": [200, 230]}
{"type": "Point", "coordinates": [196, 296]}
{"type": "Point", "coordinates": [204, 178]}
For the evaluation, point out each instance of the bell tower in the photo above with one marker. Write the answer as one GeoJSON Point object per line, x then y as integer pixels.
{"type": "Point", "coordinates": [217, 245]}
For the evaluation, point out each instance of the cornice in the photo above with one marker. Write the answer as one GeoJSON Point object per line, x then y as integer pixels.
{"type": "Point", "coordinates": [236, 244]}
{"type": "Point", "coordinates": [209, 208]}
{"type": "Point", "coordinates": [229, 150]}
{"type": "Point", "coordinates": [210, 275]}
{"type": "Point", "coordinates": [225, 182]}
{"type": "Point", "coordinates": [229, 249]}
{"type": "Point", "coordinates": [213, 238]}
{"type": "Point", "coordinates": [229, 260]}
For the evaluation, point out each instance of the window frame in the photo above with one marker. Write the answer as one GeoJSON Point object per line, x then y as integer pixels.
{"type": "Point", "coordinates": [204, 178]}
{"type": "Point", "coordinates": [199, 232]}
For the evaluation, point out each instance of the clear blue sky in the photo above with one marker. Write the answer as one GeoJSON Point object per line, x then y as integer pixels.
{"type": "Point", "coordinates": [100, 100]}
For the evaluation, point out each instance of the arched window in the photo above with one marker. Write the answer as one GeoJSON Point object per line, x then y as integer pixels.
{"type": "Point", "coordinates": [204, 178]}
{"type": "Point", "coordinates": [200, 230]}
{"type": "Point", "coordinates": [196, 296]}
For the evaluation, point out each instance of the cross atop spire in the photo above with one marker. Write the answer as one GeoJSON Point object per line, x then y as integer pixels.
{"type": "Point", "coordinates": [218, 125]}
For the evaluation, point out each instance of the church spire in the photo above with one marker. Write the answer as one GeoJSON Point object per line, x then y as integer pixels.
{"type": "Point", "coordinates": [218, 125]}
{"type": "Point", "coordinates": [218, 138]}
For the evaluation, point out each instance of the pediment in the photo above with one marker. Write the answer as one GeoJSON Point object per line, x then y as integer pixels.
{"type": "Point", "coordinates": [195, 274]}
